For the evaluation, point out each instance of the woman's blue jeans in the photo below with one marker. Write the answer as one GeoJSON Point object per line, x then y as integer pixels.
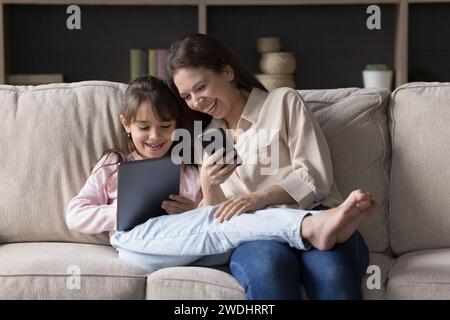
{"type": "Point", "coordinates": [272, 270]}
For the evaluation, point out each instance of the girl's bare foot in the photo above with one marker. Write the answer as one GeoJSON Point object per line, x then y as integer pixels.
{"type": "Point", "coordinates": [368, 207]}
{"type": "Point", "coordinates": [322, 230]}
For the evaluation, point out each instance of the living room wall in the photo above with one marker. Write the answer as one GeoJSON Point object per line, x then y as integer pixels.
{"type": "Point", "coordinates": [39, 42]}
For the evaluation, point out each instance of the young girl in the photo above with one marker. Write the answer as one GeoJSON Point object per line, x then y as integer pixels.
{"type": "Point", "coordinates": [151, 113]}
{"type": "Point", "coordinates": [148, 129]}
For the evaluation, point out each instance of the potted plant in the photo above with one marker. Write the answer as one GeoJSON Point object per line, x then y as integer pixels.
{"type": "Point", "coordinates": [377, 76]}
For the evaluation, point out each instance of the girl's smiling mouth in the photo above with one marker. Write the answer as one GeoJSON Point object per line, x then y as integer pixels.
{"type": "Point", "coordinates": [154, 146]}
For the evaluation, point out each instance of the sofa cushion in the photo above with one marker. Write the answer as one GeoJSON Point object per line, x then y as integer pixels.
{"type": "Point", "coordinates": [421, 275]}
{"type": "Point", "coordinates": [198, 283]}
{"type": "Point", "coordinates": [193, 283]}
{"type": "Point", "coordinates": [51, 136]}
{"type": "Point", "coordinates": [419, 201]}
{"type": "Point", "coordinates": [355, 125]}
{"type": "Point", "coordinates": [379, 265]}
{"type": "Point", "coordinates": [49, 271]}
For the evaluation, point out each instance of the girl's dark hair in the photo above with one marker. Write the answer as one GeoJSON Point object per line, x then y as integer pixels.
{"type": "Point", "coordinates": [199, 50]}
{"type": "Point", "coordinates": [165, 105]}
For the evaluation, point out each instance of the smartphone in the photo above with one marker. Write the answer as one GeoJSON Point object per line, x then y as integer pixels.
{"type": "Point", "coordinates": [213, 139]}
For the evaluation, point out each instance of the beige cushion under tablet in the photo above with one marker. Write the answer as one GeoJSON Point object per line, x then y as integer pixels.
{"type": "Point", "coordinates": [51, 135]}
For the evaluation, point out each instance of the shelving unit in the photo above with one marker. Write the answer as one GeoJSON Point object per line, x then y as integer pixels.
{"type": "Point", "coordinates": [215, 17]}
{"type": "Point", "coordinates": [39, 41]}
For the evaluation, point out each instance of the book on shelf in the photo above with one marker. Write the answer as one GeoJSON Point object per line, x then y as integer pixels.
{"type": "Point", "coordinates": [150, 61]}
{"type": "Point", "coordinates": [161, 57]}
{"type": "Point", "coordinates": [138, 63]}
{"type": "Point", "coordinates": [33, 79]}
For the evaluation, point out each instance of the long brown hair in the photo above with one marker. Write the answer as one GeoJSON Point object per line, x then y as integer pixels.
{"type": "Point", "coordinates": [165, 105]}
{"type": "Point", "coordinates": [199, 50]}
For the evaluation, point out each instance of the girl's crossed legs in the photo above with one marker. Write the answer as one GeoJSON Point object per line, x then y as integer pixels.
{"type": "Point", "coordinates": [183, 239]}
{"type": "Point", "coordinates": [196, 237]}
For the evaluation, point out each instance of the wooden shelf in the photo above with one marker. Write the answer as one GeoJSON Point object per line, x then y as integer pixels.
{"type": "Point", "coordinates": [296, 2]}
{"type": "Point", "coordinates": [207, 2]}
{"type": "Point", "coordinates": [428, 1]}
{"type": "Point", "coordinates": [401, 29]}
{"type": "Point", "coordinates": [401, 45]}
{"type": "Point", "coordinates": [2, 48]}
{"type": "Point", "coordinates": [106, 2]}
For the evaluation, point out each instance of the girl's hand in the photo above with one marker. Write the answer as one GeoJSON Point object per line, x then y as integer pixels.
{"type": "Point", "coordinates": [238, 205]}
{"type": "Point", "coordinates": [178, 204]}
{"type": "Point", "coordinates": [216, 174]}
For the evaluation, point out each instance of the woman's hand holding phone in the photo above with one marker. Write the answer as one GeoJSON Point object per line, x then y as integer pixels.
{"type": "Point", "coordinates": [214, 171]}
{"type": "Point", "coordinates": [178, 204]}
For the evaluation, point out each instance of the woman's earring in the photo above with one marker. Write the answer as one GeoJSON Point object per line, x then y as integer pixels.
{"type": "Point", "coordinates": [129, 135]}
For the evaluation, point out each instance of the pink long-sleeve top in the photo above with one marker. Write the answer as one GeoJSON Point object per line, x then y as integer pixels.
{"type": "Point", "coordinates": [94, 209]}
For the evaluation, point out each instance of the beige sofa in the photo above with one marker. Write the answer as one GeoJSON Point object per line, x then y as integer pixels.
{"type": "Point", "coordinates": [395, 145]}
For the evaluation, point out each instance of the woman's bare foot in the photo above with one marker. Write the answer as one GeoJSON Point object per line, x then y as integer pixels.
{"type": "Point", "coordinates": [322, 230]}
{"type": "Point", "coordinates": [367, 206]}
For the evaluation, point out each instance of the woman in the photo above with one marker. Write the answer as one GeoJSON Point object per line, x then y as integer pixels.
{"type": "Point", "coordinates": [211, 80]}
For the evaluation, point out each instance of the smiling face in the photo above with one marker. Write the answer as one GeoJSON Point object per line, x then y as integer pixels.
{"type": "Point", "coordinates": [151, 136]}
{"type": "Point", "coordinates": [207, 91]}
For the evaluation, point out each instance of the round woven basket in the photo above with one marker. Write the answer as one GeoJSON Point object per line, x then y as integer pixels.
{"type": "Point", "coordinates": [278, 63]}
{"type": "Point", "coordinates": [273, 81]}
{"type": "Point", "coordinates": [268, 44]}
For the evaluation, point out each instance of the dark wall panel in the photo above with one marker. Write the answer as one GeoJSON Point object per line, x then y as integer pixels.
{"type": "Point", "coordinates": [39, 42]}
{"type": "Point", "coordinates": [332, 43]}
{"type": "Point", "coordinates": [429, 45]}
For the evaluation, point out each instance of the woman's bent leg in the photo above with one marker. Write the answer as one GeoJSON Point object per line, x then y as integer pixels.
{"type": "Point", "coordinates": [335, 274]}
{"type": "Point", "coordinates": [198, 233]}
{"type": "Point", "coordinates": [267, 270]}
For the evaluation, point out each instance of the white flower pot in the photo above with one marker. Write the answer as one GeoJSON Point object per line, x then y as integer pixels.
{"type": "Point", "coordinates": [377, 79]}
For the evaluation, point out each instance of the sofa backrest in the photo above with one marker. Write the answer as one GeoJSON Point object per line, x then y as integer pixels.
{"type": "Point", "coordinates": [51, 135]}
{"type": "Point", "coordinates": [419, 188]}
{"type": "Point", "coordinates": [355, 125]}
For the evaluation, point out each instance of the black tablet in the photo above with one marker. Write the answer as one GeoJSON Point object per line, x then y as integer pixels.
{"type": "Point", "coordinates": [142, 187]}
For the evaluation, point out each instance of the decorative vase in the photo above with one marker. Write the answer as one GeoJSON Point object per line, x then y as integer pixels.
{"type": "Point", "coordinates": [268, 44]}
{"type": "Point", "coordinates": [273, 81]}
{"type": "Point", "coordinates": [278, 63]}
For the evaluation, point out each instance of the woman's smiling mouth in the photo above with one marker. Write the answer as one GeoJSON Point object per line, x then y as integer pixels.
{"type": "Point", "coordinates": [211, 108]}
